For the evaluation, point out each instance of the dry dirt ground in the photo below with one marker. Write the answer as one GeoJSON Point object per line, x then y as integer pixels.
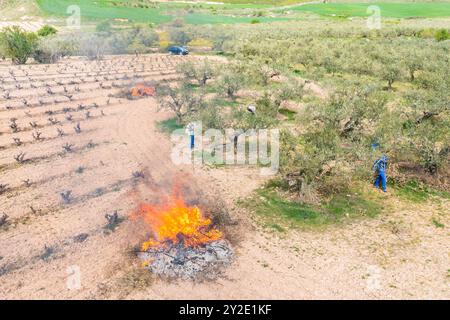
{"type": "Point", "coordinates": [399, 254]}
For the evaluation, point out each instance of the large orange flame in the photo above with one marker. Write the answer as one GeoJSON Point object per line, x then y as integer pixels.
{"type": "Point", "coordinates": [173, 221]}
{"type": "Point", "coordinates": [141, 91]}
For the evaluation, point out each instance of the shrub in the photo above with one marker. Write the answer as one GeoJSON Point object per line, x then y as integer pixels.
{"type": "Point", "coordinates": [53, 48]}
{"type": "Point", "coordinates": [104, 27]}
{"type": "Point", "coordinates": [201, 73]}
{"type": "Point", "coordinates": [177, 23]}
{"type": "Point", "coordinates": [259, 71]}
{"type": "Point", "coordinates": [46, 31]}
{"type": "Point", "coordinates": [43, 56]}
{"type": "Point", "coordinates": [201, 43]}
{"type": "Point", "coordinates": [179, 37]}
{"type": "Point", "coordinates": [263, 118]}
{"type": "Point", "coordinates": [164, 39]}
{"type": "Point", "coordinates": [93, 46]}
{"type": "Point", "coordinates": [136, 46]}
{"type": "Point", "coordinates": [266, 107]}
{"type": "Point", "coordinates": [146, 35]}
{"type": "Point", "coordinates": [134, 40]}
{"type": "Point", "coordinates": [442, 35]}
{"type": "Point", "coordinates": [210, 117]}
{"type": "Point", "coordinates": [17, 44]}
{"type": "Point", "coordinates": [119, 42]}
{"type": "Point", "coordinates": [292, 90]}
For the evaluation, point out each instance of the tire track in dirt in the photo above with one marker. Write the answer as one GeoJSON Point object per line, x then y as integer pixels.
{"type": "Point", "coordinates": [145, 144]}
{"type": "Point", "coordinates": [152, 148]}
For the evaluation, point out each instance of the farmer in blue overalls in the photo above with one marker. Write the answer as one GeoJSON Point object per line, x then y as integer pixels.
{"type": "Point", "coordinates": [379, 167]}
{"type": "Point", "coordinates": [190, 130]}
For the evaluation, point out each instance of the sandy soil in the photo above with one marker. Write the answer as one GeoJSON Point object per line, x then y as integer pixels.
{"type": "Point", "coordinates": [400, 254]}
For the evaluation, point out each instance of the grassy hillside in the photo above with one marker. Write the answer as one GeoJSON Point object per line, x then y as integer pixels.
{"type": "Point", "coordinates": [17, 9]}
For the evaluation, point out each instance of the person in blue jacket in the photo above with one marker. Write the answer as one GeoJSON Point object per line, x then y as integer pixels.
{"type": "Point", "coordinates": [379, 167]}
{"type": "Point", "coordinates": [190, 130]}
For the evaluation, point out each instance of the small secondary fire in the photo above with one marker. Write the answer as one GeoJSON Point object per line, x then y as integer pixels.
{"type": "Point", "coordinates": [142, 90]}
{"type": "Point", "coordinates": [183, 242]}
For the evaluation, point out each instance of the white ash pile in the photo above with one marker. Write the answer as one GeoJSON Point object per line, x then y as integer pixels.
{"type": "Point", "coordinates": [178, 261]}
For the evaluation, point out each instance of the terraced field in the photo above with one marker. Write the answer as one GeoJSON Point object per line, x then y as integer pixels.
{"type": "Point", "coordinates": [70, 153]}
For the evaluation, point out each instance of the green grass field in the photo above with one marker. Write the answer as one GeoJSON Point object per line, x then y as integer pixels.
{"type": "Point", "coordinates": [271, 3]}
{"type": "Point", "coordinates": [198, 18]}
{"type": "Point", "coordinates": [104, 10]}
{"type": "Point", "coordinates": [281, 214]}
{"type": "Point", "coordinates": [229, 12]}
{"type": "Point", "coordinates": [163, 12]}
{"type": "Point", "coordinates": [390, 10]}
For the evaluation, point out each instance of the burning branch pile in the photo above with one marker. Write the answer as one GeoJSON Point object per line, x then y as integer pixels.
{"type": "Point", "coordinates": [184, 244]}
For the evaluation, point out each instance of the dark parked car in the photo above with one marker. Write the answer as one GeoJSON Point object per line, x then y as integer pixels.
{"type": "Point", "coordinates": [178, 50]}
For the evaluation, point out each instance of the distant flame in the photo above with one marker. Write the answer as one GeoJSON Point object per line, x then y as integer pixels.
{"type": "Point", "coordinates": [174, 220]}
{"type": "Point", "coordinates": [141, 91]}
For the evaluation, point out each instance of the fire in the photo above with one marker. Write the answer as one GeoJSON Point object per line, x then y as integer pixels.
{"type": "Point", "coordinates": [141, 91]}
{"type": "Point", "coordinates": [174, 222]}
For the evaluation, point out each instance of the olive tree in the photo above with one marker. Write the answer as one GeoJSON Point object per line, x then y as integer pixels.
{"type": "Point", "coordinates": [336, 135]}
{"type": "Point", "coordinates": [52, 48]}
{"type": "Point", "coordinates": [201, 72]}
{"type": "Point", "coordinates": [426, 126]}
{"type": "Point", "coordinates": [179, 36]}
{"type": "Point", "coordinates": [229, 82]}
{"type": "Point", "coordinates": [181, 100]}
{"type": "Point", "coordinates": [93, 46]}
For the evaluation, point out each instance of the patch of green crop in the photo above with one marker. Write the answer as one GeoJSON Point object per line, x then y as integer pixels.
{"type": "Point", "coordinates": [276, 210]}
{"type": "Point", "coordinates": [105, 10]}
{"type": "Point", "coordinates": [289, 114]}
{"type": "Point", "coordinates": [437, 223]}
{"type": "Point", "coordinates": [169, 125]}
{"type": "Point", "coordinates": [391, 10]}
{"type": "Point", "coordinates": [412, 191]}
{"type": "Point", "coordinates": [158, 13]}
{"type": "Point", "coordinates": [351, 205]}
